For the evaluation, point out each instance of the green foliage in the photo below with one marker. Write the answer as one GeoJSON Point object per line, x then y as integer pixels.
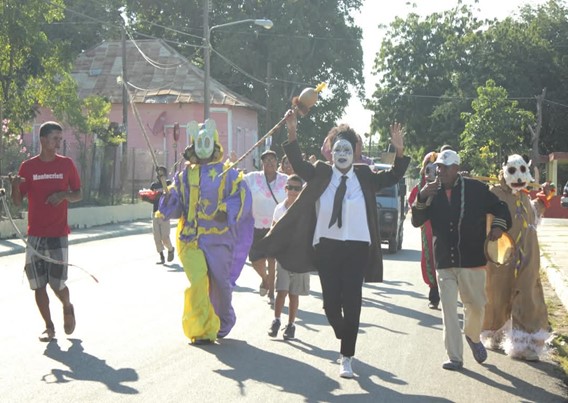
{"type": "Point", "coordinates": [496, 129]}
{"type": "Point", "coordinates": [97, 121]}
{"type": "Point", "coordinates": [14, 149]}
{"type": "Point", "coordinates": [311, 42]}
{"type": "Point", "coordinates": [431, 69]}
{"type": "Point", "coordinates": [28, 62]}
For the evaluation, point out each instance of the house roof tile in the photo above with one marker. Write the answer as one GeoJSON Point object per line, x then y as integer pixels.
{"type": "Point", "coordinates": [155, 71]}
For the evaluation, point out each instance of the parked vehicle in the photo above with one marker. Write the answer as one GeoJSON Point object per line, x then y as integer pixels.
{"type": "Point", "coordinates": [391, 211]}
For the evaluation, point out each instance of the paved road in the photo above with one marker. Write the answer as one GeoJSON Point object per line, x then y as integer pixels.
{"type": "Point", "coordinates": [129, 346]}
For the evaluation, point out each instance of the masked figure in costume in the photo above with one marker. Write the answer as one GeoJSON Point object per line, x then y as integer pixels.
{"type": "Point", "coordinates": [214, 233]}
{"type": "Point", "coordinates": [427, 174]}
{"type": "Point", "coordinates": [516, 318]}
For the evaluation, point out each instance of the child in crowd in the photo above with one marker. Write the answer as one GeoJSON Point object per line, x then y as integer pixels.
{"type": "Point", "coordinates": [288, 283]}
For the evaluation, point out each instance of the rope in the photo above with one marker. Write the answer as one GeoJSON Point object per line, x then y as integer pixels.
{"type": "Point", "coordinates": [139, 120]}
{"type": "Point", "coordinates": [31, 248]}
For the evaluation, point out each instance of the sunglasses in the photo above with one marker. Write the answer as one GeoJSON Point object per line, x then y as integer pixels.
{"type": "Point", "coordinates": [295, 188]}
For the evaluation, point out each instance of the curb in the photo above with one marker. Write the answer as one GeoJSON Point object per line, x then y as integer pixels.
{"type": "Point", "coordinates": [558, 282]}
{"type": "Point", "coordinates": [16, 246]}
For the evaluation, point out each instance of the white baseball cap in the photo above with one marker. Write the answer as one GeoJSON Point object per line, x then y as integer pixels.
{"type": "Point", "coordinates": [448, 157]}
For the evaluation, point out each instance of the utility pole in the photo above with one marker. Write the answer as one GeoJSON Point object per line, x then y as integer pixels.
{"type": "Point", "coordinates": [125, 99]}
{"type": "Point", "coordinates": [125, 103]}
{"type": "Point", "coordinates": [206, 61]}
{"type": "Point", "coordinates": [267, 118]}
{"type": "Point", "coordinates": [535, 132]}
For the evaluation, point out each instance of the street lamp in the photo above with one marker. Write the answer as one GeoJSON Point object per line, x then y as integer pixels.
{"type": "Point", "coordinates": [263, 22]}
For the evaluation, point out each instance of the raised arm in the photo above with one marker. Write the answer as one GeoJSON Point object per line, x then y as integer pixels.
{"type": "Point", "coordinates": [304, 169]}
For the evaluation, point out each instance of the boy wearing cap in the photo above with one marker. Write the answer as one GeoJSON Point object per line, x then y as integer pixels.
{"type": "Point", "coordinates": [457, 213]}
{"type": "Point", "coordinates": [288, 283]}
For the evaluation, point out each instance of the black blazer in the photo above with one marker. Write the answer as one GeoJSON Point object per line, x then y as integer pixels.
{"type": "Point", "coordinates": [290, 240]}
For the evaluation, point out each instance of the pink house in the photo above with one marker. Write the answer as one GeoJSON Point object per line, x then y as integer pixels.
{"type": "Point", "coordinates": [166, 89]}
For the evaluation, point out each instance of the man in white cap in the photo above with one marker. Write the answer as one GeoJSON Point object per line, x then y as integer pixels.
{"type": "Point", "coordinates": [457, 212]}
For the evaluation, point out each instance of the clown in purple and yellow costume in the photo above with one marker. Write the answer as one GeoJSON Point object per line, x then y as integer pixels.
{"type": "Point", "coordinates": [214, 233]}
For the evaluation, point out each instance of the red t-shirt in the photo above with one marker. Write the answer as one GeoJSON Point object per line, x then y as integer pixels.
{"type": "Point", "coordinates": [41, 180]}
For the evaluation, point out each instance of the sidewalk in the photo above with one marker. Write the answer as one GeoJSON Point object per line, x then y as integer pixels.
{"type": "Point", "coordinates": [553, 239]}
{"type": "Point", "coordinates": [15, 245]}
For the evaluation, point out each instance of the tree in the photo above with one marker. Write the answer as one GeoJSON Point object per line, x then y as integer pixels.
{"type": "Point", "coordinates": [431, 67]}
{"type": "Point", "coordinates": [424, 68]}
{"type": "Point", "coordinates": [496, 128]}
{"type": "Point", "coordinates": [26, 58]}
{"type": "Point", "coordinates": [310, 42]}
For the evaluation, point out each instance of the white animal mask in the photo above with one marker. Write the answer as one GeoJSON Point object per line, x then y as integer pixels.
{"type": "Point", "coordinates": [516, 172]}
{"type": "Point", "coordinates": [203, 137]}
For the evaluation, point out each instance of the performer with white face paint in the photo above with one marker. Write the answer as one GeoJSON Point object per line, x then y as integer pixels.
{"type": "Point", "coordinates": [333, 227]}
{"type": "Point", "coordinates": [342, 155]}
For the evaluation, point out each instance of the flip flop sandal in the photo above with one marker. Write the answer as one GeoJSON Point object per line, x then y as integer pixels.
{"type": "Point", "coordinates": [69, 319]}
{"type": "Point", "coordinates": [47, 335]}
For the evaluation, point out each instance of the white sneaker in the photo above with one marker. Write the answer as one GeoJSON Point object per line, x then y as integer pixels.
{"type": "Point", "coordinates": [345, 370]}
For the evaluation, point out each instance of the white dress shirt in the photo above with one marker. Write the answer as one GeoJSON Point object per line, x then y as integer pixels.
{"type": "Point", "coordinates": [354, 214]}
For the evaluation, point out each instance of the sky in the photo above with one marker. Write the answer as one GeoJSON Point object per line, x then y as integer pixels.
{"type": "Point", "coordinates": [375, 12]}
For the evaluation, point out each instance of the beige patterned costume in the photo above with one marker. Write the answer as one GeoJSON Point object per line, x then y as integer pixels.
{"type": "Point", "coordinates": [516, 318]}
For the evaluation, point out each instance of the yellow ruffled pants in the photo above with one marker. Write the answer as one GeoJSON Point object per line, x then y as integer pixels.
{"type": "Point", "coordinates": [199, 321]}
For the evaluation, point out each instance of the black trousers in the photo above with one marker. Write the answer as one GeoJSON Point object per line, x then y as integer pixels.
{"type": "Point", "coordinates": [341, 267]}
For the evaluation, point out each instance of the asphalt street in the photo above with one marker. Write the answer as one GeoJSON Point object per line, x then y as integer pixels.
{"type": "Point", "coordinates": [129, 345]}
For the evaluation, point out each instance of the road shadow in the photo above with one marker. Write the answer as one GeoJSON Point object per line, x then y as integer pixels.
{"type": "Point", "coordinates": [527, 392]}
{"type": "Point", "coordinates": [387, 299]}
{"type": "Point", "coordinates": [86, 367]}
{"type": "Point", "coordinates": [173, 267]}
{"type": "Point", "coordinates": [249, 363]}
{"type": "Point", "coordinates": [288, 376]}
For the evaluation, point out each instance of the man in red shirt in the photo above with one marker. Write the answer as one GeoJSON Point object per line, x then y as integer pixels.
{"type": "Point", "coordinates": [50, 181]}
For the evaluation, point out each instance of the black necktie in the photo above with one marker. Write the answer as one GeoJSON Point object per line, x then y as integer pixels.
{"type": "Point", "coordinates": [338, 202]}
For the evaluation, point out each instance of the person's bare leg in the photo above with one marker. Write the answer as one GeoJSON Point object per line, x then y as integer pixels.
{"type": "Point", "coordinates": [279, 304]}
{"type": "Point", "coordinates": [64, 297]}
{"type": "Point", "coordinates": [260, 267]}
{"type": "Point", "coordinates": [42, 301]}
{"type": "Point", "coordinates": [271, 276]}
{"type": "Point", "coordinates": [293, 307]}
{"type": "Point", "coordinates": [68, 311]}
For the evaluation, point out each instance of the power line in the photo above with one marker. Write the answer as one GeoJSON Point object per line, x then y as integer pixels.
{"type": "Point", "coordinates": [233, 65]}
{"type": "Point", "coordinates": [172, 29]}
{"type": "Point", "coordinates": [156, 64]}
{"type": "Point", "coordinates": [555, 103]}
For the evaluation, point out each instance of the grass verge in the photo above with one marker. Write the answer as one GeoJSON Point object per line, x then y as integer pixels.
{"type": "Point", "coordinates": [558, 319]}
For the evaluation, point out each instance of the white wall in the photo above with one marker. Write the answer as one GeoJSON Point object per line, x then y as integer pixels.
{"type": "Point", "coordinates": [85, 217]}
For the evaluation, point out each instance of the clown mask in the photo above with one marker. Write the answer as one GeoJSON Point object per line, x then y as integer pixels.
{"type": "Point", "coordinates": [516, 172]}
{"type": "Point", "coordinates": [205, 140]}
{"type": "Point", "coordinates": [342, 154]}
